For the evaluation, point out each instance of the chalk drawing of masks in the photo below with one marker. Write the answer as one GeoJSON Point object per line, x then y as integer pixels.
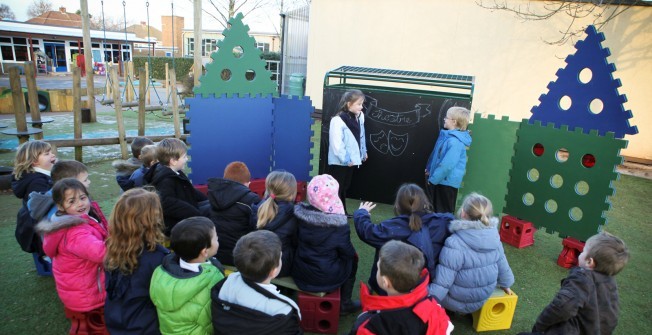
{"type": "Point", "coordinates": [390, 142]}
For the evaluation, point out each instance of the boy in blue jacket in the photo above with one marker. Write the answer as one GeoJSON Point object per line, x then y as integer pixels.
{"type": "Point", "coordinates": [447, 163]}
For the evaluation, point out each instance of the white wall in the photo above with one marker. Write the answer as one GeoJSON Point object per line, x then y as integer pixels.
{"type": "Point", "coordinates": [511, 63]}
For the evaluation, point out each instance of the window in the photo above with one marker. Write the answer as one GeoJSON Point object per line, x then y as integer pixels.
{"type": "Point", "coordinates": [19, 40]}
{"type": "Point", "coordinates": [264, 47]}
{"type": "Point", "coordinates": [209, 46]}
{"type": "Point", "coordinates": [21, 53]}
{"type": "Point", "coordinates": [190, 46]}
{"type": "Point", "coordinates": [7, 52]}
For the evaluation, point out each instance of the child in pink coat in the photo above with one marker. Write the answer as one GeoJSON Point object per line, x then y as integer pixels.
{"type": "Point", "coordinates": [74, 239]}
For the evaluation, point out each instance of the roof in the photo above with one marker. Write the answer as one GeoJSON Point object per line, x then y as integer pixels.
{"type": "Point", "coordinates": [140, 30]}
{"type": "Point", "coordinates": [58, 18]}
{"type": "Point", "coordinates": [50, 30]}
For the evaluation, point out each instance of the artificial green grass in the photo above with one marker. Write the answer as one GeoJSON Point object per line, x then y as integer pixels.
{"type": "Point", "coordinates": [29, 304]}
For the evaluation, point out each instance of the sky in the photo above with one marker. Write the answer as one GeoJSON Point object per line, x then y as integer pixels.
{"type": "Point", "coordinates": [264, 21]}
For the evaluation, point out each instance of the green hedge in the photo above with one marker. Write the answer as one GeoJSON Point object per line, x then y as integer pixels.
{"type": "Point", "coordinates": [182, 65]}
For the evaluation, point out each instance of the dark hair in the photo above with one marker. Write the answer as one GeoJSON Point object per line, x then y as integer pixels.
{"type": "Point", "coordinates": [609, 253]}
{"type": "Point", "coordinates": [67, 169]}
{"type": "Point", "coordinates": [59, 189]}
{"type": "Point", "coordinates": [348, 96]}
{"type": "Point", "coordinates": [257, 254]}
{"type": "Point", "coordinates": [401, 263]}
{"type": "Point", "coordinates": [412, 200]}
{"type": "Point", "coordinates": [138, 143]}
{"type": "Point", "coordinates": [190, 236]}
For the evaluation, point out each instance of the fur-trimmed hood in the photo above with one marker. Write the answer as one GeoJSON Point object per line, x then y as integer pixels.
{"type": "Point", "coordinates": [477, 235]}
{"type": "Point", "coordinates": [56, 223]}
{"type": "Point", "coordinates": [126, 167]}
{"type": "Point", "coordinates": [311, 215]}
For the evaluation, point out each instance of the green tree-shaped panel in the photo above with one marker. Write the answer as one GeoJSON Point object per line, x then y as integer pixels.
{"type": "Point", "coordinates": [236, 66]}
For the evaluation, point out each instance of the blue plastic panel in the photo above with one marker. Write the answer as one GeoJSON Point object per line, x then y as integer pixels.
{"type": "Point", "coordinates": [223, 130]}
{"type": "Point", "coordinates": [292, 135]}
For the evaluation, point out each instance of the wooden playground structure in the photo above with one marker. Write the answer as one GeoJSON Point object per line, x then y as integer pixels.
{"type": "Point", "coordinates": [23, 132]}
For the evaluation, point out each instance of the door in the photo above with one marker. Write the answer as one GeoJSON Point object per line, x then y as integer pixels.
{"type": "Point", "coordinates": [57, 53]}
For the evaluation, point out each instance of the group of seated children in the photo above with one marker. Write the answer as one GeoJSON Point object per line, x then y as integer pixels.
{"type": "Point", "coordinates": [118, 277]}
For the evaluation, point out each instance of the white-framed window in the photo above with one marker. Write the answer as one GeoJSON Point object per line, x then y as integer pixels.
{"type": "Point", "coordinates": [264, 47]}
{"type": "Point", "coordinates": [190, 46]}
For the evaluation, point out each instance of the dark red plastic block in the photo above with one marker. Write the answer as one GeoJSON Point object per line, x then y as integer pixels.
{"type": "Point", "coordinates": [516, 232]}
{"type": "Point", "coordinates": [569, 255]}
{"type": "Point", "coordinates": [320, 314]}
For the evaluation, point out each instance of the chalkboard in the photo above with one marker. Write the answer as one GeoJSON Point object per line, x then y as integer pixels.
{"type": "Point", "coordinates": [400, 132]}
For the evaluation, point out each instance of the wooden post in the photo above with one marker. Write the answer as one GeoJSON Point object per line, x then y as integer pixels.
{"type": "Point", "coordinates": [149, 91]}
{"type": "Point", "coordinates": [175, 104]}
{"type": "Point", "coordinates": [129, 81]}
{"type": "Point", "coordinates": [118, 113]}
{"type": "Point", "coordinates": [167, 81]}
{"type": "Point", "coordinates": [19, 103]}
{"type": "Point", "coordinates": [108, 87]}
{"type": "Point", "coordinates": [32, 97]}
{"type": "Point", "coordinates": [76, 109]}
{"type": "Point", "coordinates": [88, 58]}
{"type": "Point", "coordinates": [197, 63]}
{"type": "Point", "coordinates": [141, 102]}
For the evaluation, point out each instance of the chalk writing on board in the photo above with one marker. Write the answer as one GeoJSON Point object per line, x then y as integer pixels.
{"type": "Point", "coordinates": [409, 118]}
{"type": "Point", "coordinates": [390, 142]}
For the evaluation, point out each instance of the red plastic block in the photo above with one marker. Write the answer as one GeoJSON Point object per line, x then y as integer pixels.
{"type": "Point", "coordinates": [320, 314]}
{"type": "Point", "coordinates": [203, 188]}
{"type": "Point", "coordinates": [302, 188]}
{"type": "Point", "coordinates": [516, 232]}
{"type": "Point", "coordinates": [569, 255]}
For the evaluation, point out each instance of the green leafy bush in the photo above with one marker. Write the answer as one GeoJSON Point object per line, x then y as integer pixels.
{"type": "Point", "coordinates": [183, 66]}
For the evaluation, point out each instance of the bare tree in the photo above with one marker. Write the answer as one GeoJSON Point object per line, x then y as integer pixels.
{"type": "Point", "coordinates": [38, 8]}
{"type": "Point", "coordinates": [109, 23]}
{"type": "Point", "coordinates": [223, 10]}
{"type": "Point", "coordinates": [600, 12]}
{"type": "Point", "coordinates": [6, 12]}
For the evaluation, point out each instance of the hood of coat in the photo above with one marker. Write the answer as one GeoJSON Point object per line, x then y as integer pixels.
{"type": "Point", "coordinates": [313, 216]}
{"type": "Point", "coordinates": [285, 213]}
{"type": "Point", "coordinates": [126, 167]}
{"type": "Point", "coordinates": [476, 235]}
{"type": "Point", "coordinates": [184, 290]}
{"type": "Point", "coordinates": [39, 204]}
{"type": "Point", "coordinates": [21, 186]}
{"type": "Point", "coordinates": [56, 229]}
{"type": "Point", "coordinates": [462, 135]}
{"type": "Point", "coordinates": [224, 193]}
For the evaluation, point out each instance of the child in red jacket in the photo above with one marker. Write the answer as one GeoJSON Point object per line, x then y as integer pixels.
{"type": "Point", "coordinates": [407, 308]}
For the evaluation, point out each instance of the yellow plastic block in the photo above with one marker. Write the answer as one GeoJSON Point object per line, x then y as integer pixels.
{"type": "Point", "coordinates": [497, 313]}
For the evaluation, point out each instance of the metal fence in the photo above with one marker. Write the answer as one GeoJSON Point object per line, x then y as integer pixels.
{"type": "Point", "coordinates": [295, 45]}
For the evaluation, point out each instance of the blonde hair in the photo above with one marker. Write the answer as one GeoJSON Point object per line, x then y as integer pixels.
{"type": "Point", "coordinates": [170, 148]}
{"type": "Point", "coordinates": [27, 155]}
{"type": "Point", "coordinates": [477, 208]}
{"type": "Point", "coordinates": [135, 225]}
{"type": "Point", "coordinates": [410, 200]}
{"type": "Point", "coordinates": [279, 185]}
{"type": "Point", "coordinates": [460, 115]}
{"type": "Point", "coordinates": [609, 253]}
{"type": "Point", "coordinates": [148, 155]}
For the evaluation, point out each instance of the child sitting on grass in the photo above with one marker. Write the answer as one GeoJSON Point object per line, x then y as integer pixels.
{"type": "Point", "coordinates": [179, 198]}
{"type": "Point", "coordinates": [148, 157]}
{"type": "Point", "coordinates": [587, 302]}
{"type": "Point", "coordinates": [407, 308]}
{"type": "Point", "coordinates": [249, 295]}
{"type": "Point", "coordinates": [125, 168]}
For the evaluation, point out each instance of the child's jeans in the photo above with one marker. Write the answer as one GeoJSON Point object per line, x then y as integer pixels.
{"type": "Point", "coordinates": [87, 323]}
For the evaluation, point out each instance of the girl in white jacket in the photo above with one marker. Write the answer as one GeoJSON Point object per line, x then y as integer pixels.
{"type": "Point", "coordinates": [347, 147]}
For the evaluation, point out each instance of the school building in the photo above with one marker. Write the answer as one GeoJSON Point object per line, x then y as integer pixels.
{"type": "Point", "coordinates": [508, 56]}
{"type": "Point", "coordinates": [266, 42]}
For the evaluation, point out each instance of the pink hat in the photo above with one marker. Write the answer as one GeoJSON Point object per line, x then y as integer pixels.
{"type": "Point", "coordinates": [322, 193]}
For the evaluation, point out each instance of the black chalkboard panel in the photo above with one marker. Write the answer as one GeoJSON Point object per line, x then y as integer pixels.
{"type": "Point", "coordinates": [401, 130]}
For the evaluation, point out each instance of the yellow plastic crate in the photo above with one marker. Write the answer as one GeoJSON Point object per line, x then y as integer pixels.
{"type": "Point", "coordinates": [497, 313]}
